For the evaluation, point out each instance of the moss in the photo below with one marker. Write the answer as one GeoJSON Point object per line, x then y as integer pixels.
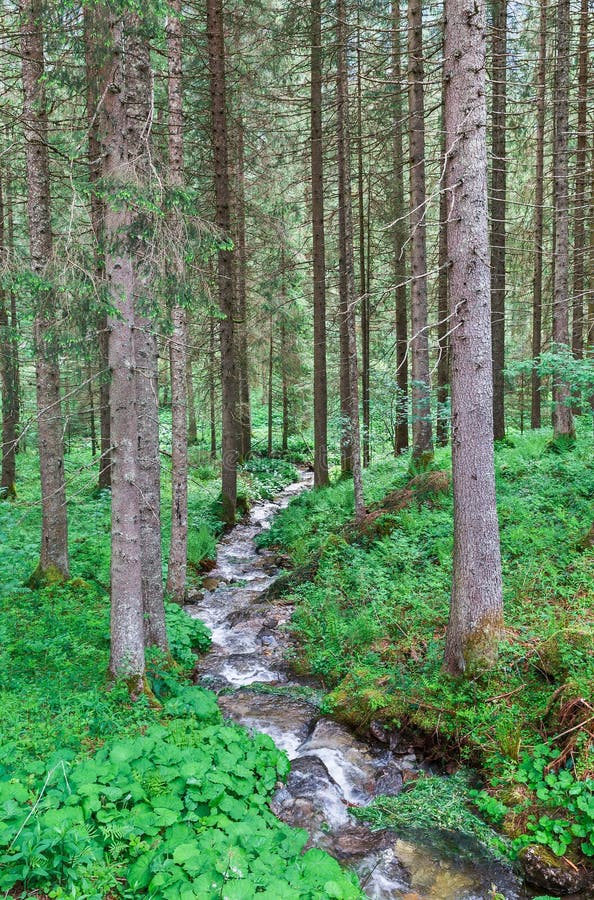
{"type": "Point", "coordinates": [41, 577]}
{"type": "Point", "coordinates": [556, 654]}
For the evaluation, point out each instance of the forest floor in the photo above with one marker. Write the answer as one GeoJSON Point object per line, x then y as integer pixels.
{"type": "Point", "coordinates": [370, 619]}
{"type": "Point", "coordinates": [98, 795]}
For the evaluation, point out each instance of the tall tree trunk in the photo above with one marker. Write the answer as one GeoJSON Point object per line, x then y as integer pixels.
{"type": "Point", "coordinates": [476, 610]}
{"type": "Point", "coordinates": [127, 611]}
{"type": "Point", "coordinates": [562, 415]}
{"type": "Point", "coordinates": [345, 219]}
{"type": "Point", "coordinates": [94, 31]}
{"type": "Point", "coordinates": [320, 399]}
{"type": "Point", "coordinates": [363, 293]}
{"type": "Point", "coordinates": [442, 432]}
{"type": "Point", "coordinates": [399, 239]}
{"type": "Point", "coordinates": [8, 373]}
{"type": "Point", "coordinates": [216, 58]}
{"type": "Point", "coordinates": [285, 386]}
{"type": "Point", "coordinates": [212, 368]}
{"type": "Point", "coordinates": [178, 359]}
{"type": "Point", "coordinates": [245, 417]}
{"type": "Point", "coordinates": [498, 209]}
{"type": "Point", "coordinates": [535, 385]}
{"type": "Point", "coordinates": [139, 112]}
{"type": "Point", "coordinates": [192, 426]}
{"type": "Point", "coordinates": [579, 225]}
{"type": "Point", "coordinates": [422, 452]}
{"type": "Point", "coordinates": [270, 392]}
{"type": "Point", "coordinates": [53, 562]}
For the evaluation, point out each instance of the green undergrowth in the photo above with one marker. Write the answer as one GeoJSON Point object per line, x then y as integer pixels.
{"type": "Point", "coordinates": [372, 623]}
{"type": "Point", "coordinates": [101, 797]}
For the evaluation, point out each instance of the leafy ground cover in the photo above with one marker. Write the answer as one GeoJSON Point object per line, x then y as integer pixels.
{"type": "Point", "coordinates": [371, 624]}
{"type": "Point", "coordinates": [101, 797]}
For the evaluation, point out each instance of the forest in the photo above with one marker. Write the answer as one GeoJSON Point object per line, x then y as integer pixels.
{"type": "Point", "coordinates": [297, 482]}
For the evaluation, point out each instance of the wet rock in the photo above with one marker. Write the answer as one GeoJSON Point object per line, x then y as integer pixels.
{"type": "Point", "coordinates": [355, 841]}
{"type": "Point", "coordinates": [311, 791]}
{"type": "Point", "coordinates": [379, 731]}
{"type": "Point", "coordinates": [552, 873]}
{"type": "Point", "coordinates": [211, 582]}
{"type": "Point", "coordinates": [194, 596]}
{"type": "Point", "coordinates": [288, 722]}
{"type": "Point", "coordinates": [390, 783]}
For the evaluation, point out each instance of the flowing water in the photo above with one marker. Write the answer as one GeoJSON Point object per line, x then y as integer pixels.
{"type": "Point", "coordinates": [331, 769]}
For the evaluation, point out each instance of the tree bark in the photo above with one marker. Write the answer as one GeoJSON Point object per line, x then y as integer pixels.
{"type": "Point", "coordinates": [476, 610]}
{"type": "Point", "coordinates": [320, 386]}
{"type": "Point", "coordinates": [212, 388]}
{"type": "Point", "coordinates": [216, 58]}
{"type": "Point", "coordinates": [94, 31]}
{"type": "Point", "coordinates": [351, 434]}
{"type": "Point", "coordinates": [363, 292]}
{"type": "Point", "coordinates": [178, 547]}
{"type": "Point", "coordinates": [8, 372]}
{"type": "Point", "coordinates": [422, 433]}
{"type": "Point", "coordinates": [399, 239]}
{"type": "Point", "coordinates": [442, 432]}
{"type": "Point", "coordinates": [498, 209]}
{"type": "Point", "coordinates": [535, 385]}
{"type": "Point", "coordinates": [270, 391]}
{"type": "Point", "coordinates": [563, 425]}
{"type": "Point", "coordinates": [581, 204]}
{"type": "Point", "coordinates": [127, 611]}
{"type": "Point", "coordinates": [53, 564]}
{"type": "Point", "coordinates": [245, 418]}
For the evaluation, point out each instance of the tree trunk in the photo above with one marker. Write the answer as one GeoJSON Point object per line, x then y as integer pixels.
{"type": "Point", "coordinates": [212, 389]}
{"type": "Point", "coordinates": [127, 612]}
{"type": "Point", "coordinates": [476, 611]}
{"type": "Point", "coordinates": [535, 406]}
{"type": "Point", "coordinates": [216, 58]}
{"type": "Point", "coordinates": [498, 209]}
{"type": "Point", "coordinates": [285, 386]}
{"type": "Point", "coordinates": [94, 32]}
{"type": "Point", "coordinates": [53, 564]}
{"type": "Point", "coordinates": [192, 426]}
{"type": "Point", "coordinates": [399, 239]}
{"type": "Point", "coordinates": [422, 452]}
{"type": "Point", "coordinates": [581, 205]}
{"type": "Point", "coordinates": [8, 373]}
{"type": "Point", "coordinates": [320, 387]}
{"type": "Point", "coordinates": [178, 548]}
{"type": "Point", "coordinates": [245, 423]}
{"type": "Point", "coordinates": [348, 298]}
{"type": "Point", "coordinates": [443, 323]}
{"type": "Point", "coordinates": [363, 293]}
{"type": "Point", "coordinates": [562, 415]}
{"type": "Point", "coordinates": [270, 392]}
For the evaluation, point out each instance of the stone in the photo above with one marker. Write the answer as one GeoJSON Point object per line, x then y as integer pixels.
{"type": "Point", "coordinates": [552, 873]}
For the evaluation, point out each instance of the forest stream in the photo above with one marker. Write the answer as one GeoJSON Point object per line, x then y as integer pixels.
{"type": "Point", "coordinates": [331, 768]}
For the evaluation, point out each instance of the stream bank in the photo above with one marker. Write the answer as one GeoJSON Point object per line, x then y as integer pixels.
{"type": "Point", "coordinates": [331, 768]}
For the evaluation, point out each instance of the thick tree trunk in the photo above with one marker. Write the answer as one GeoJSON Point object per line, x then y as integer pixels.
{"type": "Point", "coordinates": [399, 239]}
{"type": "Point", "coordinates": [8, 374]}
{"type": "Point", "coordinates": [127, 611]}
{"type": "Point", "coordinates": [562, 415]}
{"type": "Point", "coordinates": [363, 292]}
{"type": "Point", "coordinates": [320, 387]}
{"type": "Point", "coordinates": [422, 432]}
{"type": "Point", "coordinates": [442, 432]}
{"type": "Point", "coordinates": [498, 209]}
{"type": "Point", "coordinates": [216, 58]}
{"type": "Point", "coordinates": [581, 205]}
{"type": "Point", "coordinates": [94, 32]}
{"type": "Point", "coordinates": [476, 611]}
{"type": "Point", "coordinates": [178, 360]}
{"type": "Point", "coordinates": [53, 562]}
{"type": "Point", "coordinates": [351, 433]}
{"type": "Point", "coordinates": [535, 385]}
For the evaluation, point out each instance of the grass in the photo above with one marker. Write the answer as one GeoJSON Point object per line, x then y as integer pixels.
{"type": "Point", "coordinates": [372, 622]}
